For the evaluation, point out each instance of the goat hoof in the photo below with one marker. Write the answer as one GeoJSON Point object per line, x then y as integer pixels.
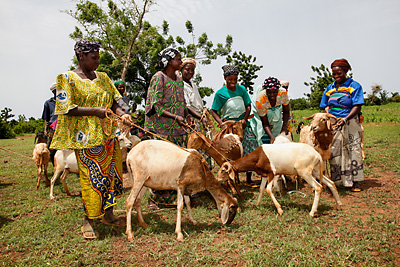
{"type": "Point", "coordinates": [130, 236]}
{"type": "Point", "coordinates": [180, 238]}
{"type": "Point", "coordinates": [51, 198]}
{"type": "Point", "coordinates": [280, 212]}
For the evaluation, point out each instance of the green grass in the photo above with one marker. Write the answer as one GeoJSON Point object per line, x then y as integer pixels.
{"type": "Point", "coordinates": [35, 231]}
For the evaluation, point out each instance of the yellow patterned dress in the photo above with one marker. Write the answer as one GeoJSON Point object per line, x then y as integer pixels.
{"type": "Point", "coordinates": [97, 151]}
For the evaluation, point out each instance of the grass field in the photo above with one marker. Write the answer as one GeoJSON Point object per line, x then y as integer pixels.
{"type": "Point", "coordinates": [35, 231]}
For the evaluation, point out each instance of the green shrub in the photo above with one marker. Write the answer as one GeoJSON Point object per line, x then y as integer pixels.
{"type": "Point", "coordinates": [6, 131]}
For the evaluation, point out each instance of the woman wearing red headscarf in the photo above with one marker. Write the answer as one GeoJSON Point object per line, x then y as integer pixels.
{"type": "Point", "coordinates": [343, 98]}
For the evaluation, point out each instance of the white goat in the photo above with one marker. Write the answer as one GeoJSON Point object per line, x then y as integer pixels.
{"type": "Point", "coordinates": [289, 159]}
{"type": "Point", "coordinates": [161, 165]}
{"type": "Point", "coordinates": [65, 162]}
{"type": "Point", "coordinates": [41, 156]}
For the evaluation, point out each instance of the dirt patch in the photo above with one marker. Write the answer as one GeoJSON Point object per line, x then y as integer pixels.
{"type": "Point", "coordinates": [382, 191]}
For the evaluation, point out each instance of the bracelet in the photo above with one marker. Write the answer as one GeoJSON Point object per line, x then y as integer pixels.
{"type": "Point", "coordinates": [344, 120]}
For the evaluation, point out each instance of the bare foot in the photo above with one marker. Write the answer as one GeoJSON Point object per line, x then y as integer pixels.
{"type": "Point", "coordinates": [110, 219]}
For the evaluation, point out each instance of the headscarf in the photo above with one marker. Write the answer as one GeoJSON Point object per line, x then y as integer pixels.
{"type": "Point", "coordinates": [119, 82]}
{"type": "Point", "coordinates": [271, 83]}
{"type": "Point", "coordinates": [230, 70]}
{"type": "Point", "coordinates": [188, 60]}
{"type": "Point", "coordinates": [166, 56]}
{"type": "Point", "coordinates": [343, 63]}
{"type": "Point", "coordinates": [53, 86]}
{"type": "Point", "coordinates": [85, 46]}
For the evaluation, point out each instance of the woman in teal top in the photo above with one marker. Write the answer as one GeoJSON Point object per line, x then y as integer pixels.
{"type": "Point", "coordinates": [234, 102]}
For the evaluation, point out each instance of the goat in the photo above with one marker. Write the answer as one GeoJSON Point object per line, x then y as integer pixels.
{"type": "Point", "coordinates": [227, 148]}
{"type": "Point", "coordinates": [289, 159]}
{"type": "Point", "coordinates": [40, 137]}
{"type": "Point", "coordinates": [65, 162]}
{"type": "Point", "coordinates": [299, 127]}
{"type": "Point", "coordinates": [319, 134]}
{"type": "Point", "coordinates": [161, 165]}
{"type": "Point", "coordinates": [233, 127]}
{"type": "Point", "coordinates": [41, 157]}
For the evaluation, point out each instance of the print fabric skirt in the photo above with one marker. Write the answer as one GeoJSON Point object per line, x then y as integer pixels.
{"type": "Point", "coordinates": [100, 171]}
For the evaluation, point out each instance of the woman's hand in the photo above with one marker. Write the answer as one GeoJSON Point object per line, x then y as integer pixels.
{"type": "Point", "coordinates": [127, 119]}
{"type": "Point", "coordinates": [244, 123]}
{"type": "Point", "coordinates": [180, 120]}
{"type": "Point", "coordinates": [341, 122]}
{"type": "Point", "coordinates": [272, 139]}
{"type": "Point", "coordinates": [285, 129]}
{"type": "Point", "coordinates": [223, 126]}
{"type": "Point", "coordinates": [190, 121]}
{"type": "Point", "coordinates": [205, 122]}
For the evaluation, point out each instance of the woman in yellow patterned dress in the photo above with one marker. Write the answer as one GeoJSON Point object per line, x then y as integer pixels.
{"type": "Point", "coordinates": [82, 98]}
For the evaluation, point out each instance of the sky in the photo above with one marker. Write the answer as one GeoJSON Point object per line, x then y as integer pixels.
{"type": "Point", "coordinates": [287, 37]}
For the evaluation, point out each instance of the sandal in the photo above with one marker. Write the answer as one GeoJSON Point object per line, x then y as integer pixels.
{"type": "Point", "coordinates": [86, 236]}
{"type": "Point", "coordinates": [356, 187]}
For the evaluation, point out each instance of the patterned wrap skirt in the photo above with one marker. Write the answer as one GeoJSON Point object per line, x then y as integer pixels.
{"type": "Point", "coordinates": [100, 171]}
{"type": "Point", "coordinates": [346, 154]}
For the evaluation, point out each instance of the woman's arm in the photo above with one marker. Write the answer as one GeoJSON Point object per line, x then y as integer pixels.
{"type": "Point", "coordinates": [126, 118]}
{"type": "Point", "coordinates": [246, 116]}
{"type": "Point", "coordinates": [286, 111]}
{"type": "Point", "coordinates": [353, 112]}
{"type": "Point", "coordinates": [267, 127]}
{"type": "Point", "coordinates": [88, 111]}
{"type": "Point", "coordinates": [217, 118]}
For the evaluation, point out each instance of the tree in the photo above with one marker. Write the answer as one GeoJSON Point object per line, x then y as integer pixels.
{"type": "Point", "coordinates": [6, 114]}
{"type": "Point", "coordinates": [373, 98]}
{"type": "Point", "coordinates": [202, 50]}
{"type": "Point", "coordinates": [116, 26]}
{"type": "Point", "coordinates": [6, 131]}
{"type": "Point", "coordinates": [318, 85]}
{"type": "Point", "coordinates": [246, 67]}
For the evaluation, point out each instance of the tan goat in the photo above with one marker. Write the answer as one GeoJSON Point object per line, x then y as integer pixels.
{"type": "Point", "coordinates": [161, 165]}
{"type": "Point", "coordinates": [319, 134]}
{"type": "Point", "coordinates": [227, 148]}
{"type": "Point", "coordinates": [41, 156]}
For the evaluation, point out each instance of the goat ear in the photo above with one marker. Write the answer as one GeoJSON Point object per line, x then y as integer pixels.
{"type": "Point", "coordinates": [225, 214]}
{"type": "Point", "coordinates": [309, 118]}
{"type": "Point", "coordinates": [329, 125]}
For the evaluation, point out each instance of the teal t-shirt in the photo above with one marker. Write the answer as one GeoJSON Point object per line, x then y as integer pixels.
{"type": "Point", "coordinates": [224, 94]}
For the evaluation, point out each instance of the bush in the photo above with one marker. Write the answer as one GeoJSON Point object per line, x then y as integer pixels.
{"type": "Point", "coordinates": [30, 126]}
{"type": "Point", "coordinates": [299, 104]}
{"type": "Point", "coordinates": [6, 131]}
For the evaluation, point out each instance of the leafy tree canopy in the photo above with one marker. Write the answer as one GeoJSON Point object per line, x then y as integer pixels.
{"type": "Point", "coordinates": [131, 44]}
{"type": "Point", "coordinates": [246, 67]}
{"type": "Point", "coordinates": [318, 84]}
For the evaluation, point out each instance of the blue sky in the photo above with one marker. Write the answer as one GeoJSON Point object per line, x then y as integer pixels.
{"type": "Point", "coordinates": [286, 36]}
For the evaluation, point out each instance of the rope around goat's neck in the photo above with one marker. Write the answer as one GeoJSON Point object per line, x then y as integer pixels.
{"type": "Point", "coordinates": [117, 118]}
